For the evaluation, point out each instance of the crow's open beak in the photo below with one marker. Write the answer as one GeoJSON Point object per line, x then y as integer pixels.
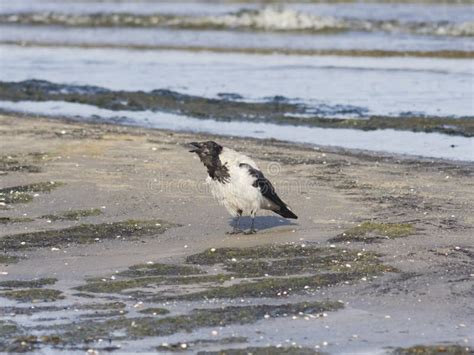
{"type": "Point", "coordinates": [195, 147]}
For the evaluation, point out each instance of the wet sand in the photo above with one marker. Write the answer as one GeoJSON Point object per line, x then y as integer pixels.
{"type": "Point", "coordinates": [384, 244]}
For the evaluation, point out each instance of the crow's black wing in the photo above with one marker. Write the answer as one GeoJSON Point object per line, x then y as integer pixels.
{"type": "Point", "coordinates": [268, 191]}
{"type": "Point", "coordinates": [264, 185]}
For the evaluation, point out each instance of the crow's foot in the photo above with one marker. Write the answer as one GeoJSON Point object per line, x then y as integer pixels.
{"type": "Point", "coordinates": [235, 231]}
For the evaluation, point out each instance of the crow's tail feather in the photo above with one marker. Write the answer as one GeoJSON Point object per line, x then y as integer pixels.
{"type": "Point", "coordinates": [285, 212]}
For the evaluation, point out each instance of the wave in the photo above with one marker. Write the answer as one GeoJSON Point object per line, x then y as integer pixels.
{"type": "Point", "coordinates": [266, 19]}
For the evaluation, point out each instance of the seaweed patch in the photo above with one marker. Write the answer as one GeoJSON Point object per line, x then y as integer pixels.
{"type": "Point", "coordinates": [449, 349]}
{"type": "Point", "coordinates": [37, 283]}
{"type": "Point", "coordinates": [372, 231]}
{"type": "Point", "coordinates": [83, 234]}
{"type": "Point", "coordinates": [264, 350]}
{"type": "Point", "coordinates": [73, 215]}
{"type": "Point", "coordinates": [262, 271]}
{"type": "Point", "coordinates": [25, 193]}
{"type": "Point", "coordinates": [88, 331]}
{"type": "Point", "coordinates": [190, 345]}
{"type": "Point", "coordinates": [33, 295]}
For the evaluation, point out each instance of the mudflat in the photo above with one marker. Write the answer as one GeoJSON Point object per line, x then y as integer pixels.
{"type": "Point", "coordinates": [110, 241]}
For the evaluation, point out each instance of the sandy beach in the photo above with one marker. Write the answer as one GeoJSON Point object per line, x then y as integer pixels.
{"type": "Point", "coordinates": [110, 240]}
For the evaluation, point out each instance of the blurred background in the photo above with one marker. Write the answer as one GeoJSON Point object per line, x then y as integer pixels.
{"type": "Point", "coordinates": [391, 76]}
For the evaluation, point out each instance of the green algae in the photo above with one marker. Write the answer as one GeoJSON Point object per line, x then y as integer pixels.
{"type": "Point", "coordinates": [285, 260]}
{"type": "Point", "coordinates": [220, 255]}
{"type": "Point", "coordinates": [450, 349]}
{"type": "Point", "coordinates": [87, 306]}
{"type": "Point", "coordinates": [137, 328]}
{"type": "Point", "coordinates": [73, 215]}
{"type": "Point", "coordinates": [15, 197]}
{"type": "Point", "coordinates": [102, 306]}
{"type": "Point", "coordinates": [154, 311]}
{"type": "Point", "coordinates": [28, 284]}
{"type": "Point", "coordinates": [267, 350]}
{"type": "Point", "coordinates": [8, 259]}
{"type": "Point", "coordinates": [268, 287]}
{"type": "Point", "coordinates": [113, 286]}
{"type": "Point", "coordinates": [107, 314]}
{"type": "Point", "coordinates": [22, 344]}
{"type": "Point", "coordinates": [24, 193]}
{"type": "Point", "coordinates": [305, 268]}
{"type": "Point", "coordinates": [288, 267]}
{"type": "Point", "coordinates": [84, 234]}
{"type": "Point", "coordinates": [8, 329]}
{"type": "Point", "coordinates": [157, 269]}
{"type": "Point", "coordinates": [30, 310]}
{"type": "Point", "coordinates": [9, 163]}
{"type": "Point", "coordinates": [36, 187]}
{"type": "Point", "coordinates": [290, 260]}
{"type": "Point", "coordinates": [371, 231]}
{"type": "Point", "coordinates": [190, 345]}
{"type": "Point", "coordinates": [11, 220]}
{"type": "Point", "coordinates": [33, 295]}
{"type": "Point", "coordinates": [274, 271]}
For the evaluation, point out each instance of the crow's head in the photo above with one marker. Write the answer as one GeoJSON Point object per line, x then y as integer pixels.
{"type": "Point", "coordinates": [206, 149]}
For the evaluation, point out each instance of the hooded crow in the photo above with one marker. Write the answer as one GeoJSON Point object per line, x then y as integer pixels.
{"type": "Point", "coordinates": [237, 183]}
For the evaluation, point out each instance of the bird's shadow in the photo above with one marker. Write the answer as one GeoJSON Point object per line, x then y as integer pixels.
{"type": "Point", "coordinates": [263, 222]}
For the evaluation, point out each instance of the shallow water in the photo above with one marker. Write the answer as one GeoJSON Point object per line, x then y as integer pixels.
{"type": "Point", "coordinates": [389, 86]}
{"type": "Point", "coordinates": [132, 44]}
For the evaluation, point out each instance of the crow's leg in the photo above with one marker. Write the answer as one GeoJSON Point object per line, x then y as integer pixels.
{"type": "Point", "coordinates": [252, 228]}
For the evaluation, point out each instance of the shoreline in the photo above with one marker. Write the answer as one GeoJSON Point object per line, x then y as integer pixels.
{"type": "Point", "coordinates": [374, 154]}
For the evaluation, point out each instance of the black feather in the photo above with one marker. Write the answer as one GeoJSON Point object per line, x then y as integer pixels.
{"type": "Point", "coordinates": [268, 191]}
